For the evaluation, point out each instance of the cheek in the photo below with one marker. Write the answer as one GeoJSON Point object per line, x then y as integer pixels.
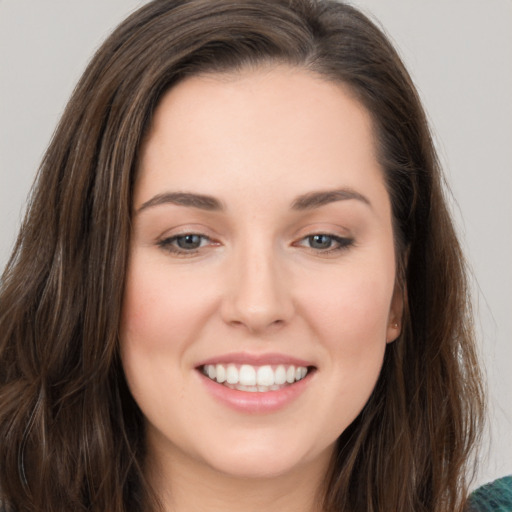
{"type": "Point", "coordinates": [349, 314]}
{"type": "Point", "coordinates": [159, 321]}
{"type": "Point", "coordinates": [349, 307]}
{"type": "Point", "coordinates": [160, 310]}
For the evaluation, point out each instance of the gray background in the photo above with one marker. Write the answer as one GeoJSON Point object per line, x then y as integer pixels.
{"type": "Point", "coordinates": [460, 56]}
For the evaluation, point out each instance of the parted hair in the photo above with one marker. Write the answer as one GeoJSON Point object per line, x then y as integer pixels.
{"type": "Point", "coordinates": [71, 436]}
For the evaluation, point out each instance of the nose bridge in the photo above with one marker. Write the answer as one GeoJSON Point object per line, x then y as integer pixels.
{"type": "Point", "coordinates": [258, 297]}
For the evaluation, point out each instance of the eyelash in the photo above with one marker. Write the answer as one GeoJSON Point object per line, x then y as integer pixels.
{"type": "Point", "coordinates": [170, 244]}
{"type": "Point", "coordinates": [341, 243]}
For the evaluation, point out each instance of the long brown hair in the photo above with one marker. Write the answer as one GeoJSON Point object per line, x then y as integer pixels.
{"type": "Point", "coordinates": [71, 436]}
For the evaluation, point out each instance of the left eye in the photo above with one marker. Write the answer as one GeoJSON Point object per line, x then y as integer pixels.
{"type": "Point", "coordinates": [320, 241]}
{"type": "Point", "coordinates": [324, 242]}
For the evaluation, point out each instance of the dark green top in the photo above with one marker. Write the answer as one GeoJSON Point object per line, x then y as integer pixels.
{"type": "Point", "coordinates": [493, 497]}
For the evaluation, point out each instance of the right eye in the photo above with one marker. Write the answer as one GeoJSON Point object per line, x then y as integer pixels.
{"type": "Point", "coordinates": [185, 244]}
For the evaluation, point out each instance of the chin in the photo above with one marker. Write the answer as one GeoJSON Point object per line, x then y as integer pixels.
{"type": "Point", "coordinates": [264, 457]}
{"type": "Point", "coordinates": [257, 466]}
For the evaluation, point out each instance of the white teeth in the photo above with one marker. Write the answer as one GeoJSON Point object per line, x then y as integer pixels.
{"type": "Point", "coordinates": [280, 375]}
{"type": "Point", "coordinates": [290, 375]}
{"type": "Point", "coordinates": [300, 373]}
{"type": "Point", "coordinates": [265, 376]}
{"type": "Point", "coordinates": [255, 378]}
{"type": "Point", "coordinates": [221, 373]}
{"type": "Point", "coordinates": [231, 374]}
{"type": "Point", "coordinates": [247, 375]}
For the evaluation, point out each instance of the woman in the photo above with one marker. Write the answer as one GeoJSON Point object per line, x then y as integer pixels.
{"type": "Point", "coordinates": [238, 284]}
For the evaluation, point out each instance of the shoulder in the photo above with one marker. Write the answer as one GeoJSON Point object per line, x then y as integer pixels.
{"type": "Point", "coordinates": [493, 497]}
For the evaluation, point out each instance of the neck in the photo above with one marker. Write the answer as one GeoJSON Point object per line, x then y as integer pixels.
{"type": "Point", "coordinates": [186, 485]}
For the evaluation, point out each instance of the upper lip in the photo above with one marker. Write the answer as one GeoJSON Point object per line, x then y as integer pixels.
{"type": "Point", "coordinates": [255, 359]}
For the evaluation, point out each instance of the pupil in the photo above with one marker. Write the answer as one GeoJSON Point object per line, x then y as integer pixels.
{"type": "Point", "coordinates": [320, 241]}
{"type": "Point", "coordinates": [189, 241]}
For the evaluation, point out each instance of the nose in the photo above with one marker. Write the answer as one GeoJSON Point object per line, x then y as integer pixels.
{"type": "Point", "coordinates": [258, 297]}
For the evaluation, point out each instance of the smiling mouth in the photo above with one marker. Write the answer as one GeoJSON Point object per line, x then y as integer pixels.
{"type": "Point", "coordinates": [255, 379]}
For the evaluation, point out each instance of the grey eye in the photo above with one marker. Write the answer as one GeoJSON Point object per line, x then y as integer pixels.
{"type": "Point", "coordinates": [189, 242]}
{"type": "Point", "coordinates": [320, 241]}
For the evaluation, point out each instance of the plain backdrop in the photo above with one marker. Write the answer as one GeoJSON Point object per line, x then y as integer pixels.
{"type": "Point", "coordinates": [459, 54]}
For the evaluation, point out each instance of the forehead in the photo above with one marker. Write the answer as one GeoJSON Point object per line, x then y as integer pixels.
{"type": "Point", "coordinates": [260, 128]}
{"type": "Point", "coordinates": [262, 95]}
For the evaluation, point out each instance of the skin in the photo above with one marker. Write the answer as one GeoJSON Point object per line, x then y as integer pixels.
{"type": "Point", "coordinates": [256, 141]}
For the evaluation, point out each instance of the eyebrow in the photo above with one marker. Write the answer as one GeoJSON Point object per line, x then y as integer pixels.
{"type": "Point", "coordinates": [313, 200]}
{"type": "Point", "coordinates": [200, 201]}
{"type": "Point", "coordinates": [308, 201]}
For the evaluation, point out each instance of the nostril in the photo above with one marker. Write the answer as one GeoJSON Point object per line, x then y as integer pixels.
{"type": "Point", "coordinates": [257, 323]}
{"type": "Point", "coordinates": [257, 297]}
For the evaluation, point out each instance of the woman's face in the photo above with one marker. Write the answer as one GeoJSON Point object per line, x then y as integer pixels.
{"type": "Point", "coordinates": [262, 250]}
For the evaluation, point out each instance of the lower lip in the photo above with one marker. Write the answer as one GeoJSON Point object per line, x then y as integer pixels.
{"type": "Point", "coordinates": [256, 402]}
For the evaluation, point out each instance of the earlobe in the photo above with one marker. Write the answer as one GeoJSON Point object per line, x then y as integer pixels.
{"type": "Point", "coordinates": [394, 331]}
{"type": "Point", "coordinates": [395, 314]}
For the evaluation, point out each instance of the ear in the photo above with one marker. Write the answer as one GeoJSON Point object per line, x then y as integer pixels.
{"type": "Point", "coordinates": [396, 312]}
